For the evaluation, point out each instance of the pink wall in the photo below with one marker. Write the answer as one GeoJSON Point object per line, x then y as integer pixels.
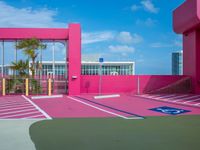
{"type": "Point", "coordinates": [120, 84]}
{"type": "Point", "coordinates": [74, 58]}
{"type": "Point", "coordinates": [40, 33]}
{"type": "Point", "coordinates": [191, 56]}
{"type": "Point", "coordinates": [186, 16]}
{"type": "Point", "coordinates": [186, 21]}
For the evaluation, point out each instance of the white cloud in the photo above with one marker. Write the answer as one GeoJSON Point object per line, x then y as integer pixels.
{"type": "Point", "coordinates": [149, 6]}
{"type": "Point", "coordinates": [135, 7]}
{"type": "Point", "coordinates": [174, 43]}
{"type": "Point", "coordinates": [27, 17]}
{"type": "Point", "coordinates": [105, 36]}
{"type": "Point", "coordinates": [94, 37]}
{"type": "Point", "coordinates": [121, 49]}
{"type": "Point", "coordinates": [127, 38]}
{"type": "Point", "coordinates": [149, 22]}
{"type": "Point", "coordinates": [160, 45]}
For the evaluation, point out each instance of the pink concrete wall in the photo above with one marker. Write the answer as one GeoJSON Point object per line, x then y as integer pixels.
{"type": "Point", "coordinates": [74, 58]}
{"type": "Point", "coordinates": [187, 16]}
{"type": "Point", "coordinates": [186, 20]}
{"type": "Point", "coordinates": [191, 57]}
{"type": "Point", "coordinates": [120, 84]}
{"type": "Point", "coordinates": [40, 33]}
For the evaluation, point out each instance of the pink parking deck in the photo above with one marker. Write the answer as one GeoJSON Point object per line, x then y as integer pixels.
{"type": "Point", "coordinates": [139, 105]}
{"type": "Point", "coordinates": [67, 108]}
{"type": "Point", "coordinates": [18, 107]}
{"type": "Point", "coordinates": [85, 106]}
{"type": "Point", "coordinates": [126, 105]}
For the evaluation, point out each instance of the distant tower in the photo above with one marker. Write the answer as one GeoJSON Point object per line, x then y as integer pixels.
{"type": "Point", "coordinates": [177, 63]}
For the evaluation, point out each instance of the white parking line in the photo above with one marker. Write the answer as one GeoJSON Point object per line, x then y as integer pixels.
{"type": "Point", "coordinates": [197, 104]}
{"type": "Point", "coordinates": [159, 97]}
{"type": "Point", "coordinates": [17, 115]}
{"type": "Point", "coordinates": [177, 97]}
{"type": "Point", "coordinates": [172, 98]}
{"type": "Point", "coordinates": [187, 98]}
{"type": "Point", "coordinates": [8, 102]}
{"type": "Point", "coordinates": [177, 101]}
{"type": "Point", "coordinates": [168, 96]}
{"type": "Point", "coordinates": [13, 102]}
{"type": "Point", "coordinates": [10, 112]}
{"type": "Point", "coordinates": [191, 101]}
{"type": "Point", "coordinates": [37, 107]}
{"type": "Point", "coordinates": [16, 108]}
{"type": "Point", "coordinates": [106, 111]}
{"type": "Point", "coordinates": [41, 115]}
{"type": "Point", "coordinates": [17, 104]}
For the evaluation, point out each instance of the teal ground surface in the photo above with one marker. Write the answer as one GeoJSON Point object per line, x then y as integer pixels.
{"type": "Point", "coordinates": [152, 133]}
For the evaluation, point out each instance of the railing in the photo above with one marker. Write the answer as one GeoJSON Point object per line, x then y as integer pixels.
{"type": "Point", "coordinates": [28, 86]}
{"type": "Point", "coordinates": [38, 86]}
{"type": "Point", "coordinates": [14, 86]}
{"type": "Point", "coordinates": [59, 86]}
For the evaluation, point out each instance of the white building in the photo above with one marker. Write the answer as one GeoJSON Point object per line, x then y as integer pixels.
{"type": "Point", "coordinates": [88, 68]}
{"type": "Point", "coordinates": [108, 68]}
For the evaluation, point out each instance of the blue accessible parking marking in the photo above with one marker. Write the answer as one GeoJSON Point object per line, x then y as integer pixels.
{"type": "Point", "coordinates": [169, 110]}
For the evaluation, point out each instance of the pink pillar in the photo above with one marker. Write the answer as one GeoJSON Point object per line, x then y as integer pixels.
{"type": "Point", "coordinates": [186, 21]}
{"type": "Point", "coordinates": [74, 59]}
{"type": "Point", "coordinates": [191, 57]}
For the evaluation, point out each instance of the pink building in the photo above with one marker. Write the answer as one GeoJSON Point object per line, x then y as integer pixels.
{"type": "Point", "coordinates": [71, 35]}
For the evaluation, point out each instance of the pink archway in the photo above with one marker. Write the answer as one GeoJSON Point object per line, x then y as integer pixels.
{"type": "Point", "coordinates": [72, 35]}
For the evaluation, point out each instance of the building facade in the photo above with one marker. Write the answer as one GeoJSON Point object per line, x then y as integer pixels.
{"type": "Point", "coordinates": [87, 68]}
{"type": "Point", "coordinates": [177, 63]}
{"type": "Point", "coordinates": [108, 68]}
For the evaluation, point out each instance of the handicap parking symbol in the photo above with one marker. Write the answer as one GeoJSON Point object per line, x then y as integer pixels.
{"type": "Point", "coordinates": [169, 110]}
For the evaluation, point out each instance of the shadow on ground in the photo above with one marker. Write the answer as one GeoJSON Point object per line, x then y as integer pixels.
{"type": "Point", "coordinates": [153, 133]}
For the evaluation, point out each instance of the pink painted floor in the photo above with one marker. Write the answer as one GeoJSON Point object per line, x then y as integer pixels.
{"type": "Point", "coordinates": [85, 106]}
{"type": "Point", "coordinates": [17, 107]}
{"type": "Point", "coordinates": [141, 106]}
{"type": "Point", "coordinates": [67, 108]}
{"type": "Point", "coordinates": [126, 105]}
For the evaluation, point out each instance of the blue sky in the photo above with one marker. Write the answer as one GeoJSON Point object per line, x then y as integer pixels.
{"type": "Point", "coordinates": [118, 30]}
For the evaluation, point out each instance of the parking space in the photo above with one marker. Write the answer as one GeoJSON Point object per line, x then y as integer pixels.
{"type": "Point", "coordinates": [20, 107]}
{"type": "Point", "coordinates": [184, 99]}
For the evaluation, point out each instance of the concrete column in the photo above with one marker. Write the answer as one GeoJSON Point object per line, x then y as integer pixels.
{"type": "Point", "coordinates": [74, 59]}
{"type": "Point", "coordinates": [191, 58]}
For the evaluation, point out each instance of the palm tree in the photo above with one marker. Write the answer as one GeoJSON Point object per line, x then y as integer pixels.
{"type": "Point", "coordinates": [21, 66]}
{"type": "Point", "coordinates": [30, 47]}
{"type": "Point", "coordinates": [16, 85]}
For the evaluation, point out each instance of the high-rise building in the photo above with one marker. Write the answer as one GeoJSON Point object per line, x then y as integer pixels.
{"type": "Point", "coordinates": [177, 63]}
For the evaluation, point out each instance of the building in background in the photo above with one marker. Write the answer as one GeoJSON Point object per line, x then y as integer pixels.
{"type": "Point", "coordinates": [177, 63]}
{"type": "Point", "coordinates": [108, 68]}
{"type": "Point", "coordinates": [87, 68]}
